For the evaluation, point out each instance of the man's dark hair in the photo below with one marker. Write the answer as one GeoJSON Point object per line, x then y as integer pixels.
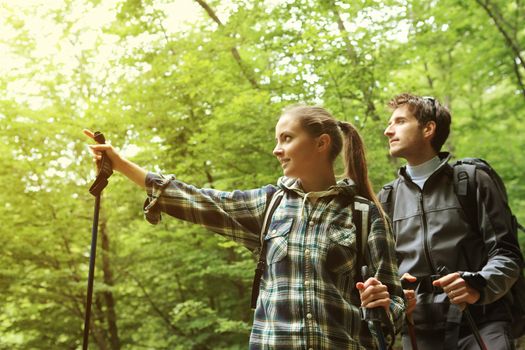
{"type": "Point", "coordinates": [426, 109]}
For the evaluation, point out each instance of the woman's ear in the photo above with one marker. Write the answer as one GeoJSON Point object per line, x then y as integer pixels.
{"type": "Point", "coordinates": [324, 142]}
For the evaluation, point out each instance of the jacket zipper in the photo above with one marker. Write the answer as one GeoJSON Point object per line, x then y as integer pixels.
{"type": "Point", "coordinates": [426, 245]}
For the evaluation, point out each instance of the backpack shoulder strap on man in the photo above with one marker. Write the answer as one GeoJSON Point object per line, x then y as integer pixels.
{"type": "Point", "coordinates": [387, 198]}
{"type": "Point", "coordinates": [465, 187]}
{"type": "Point", "coordinates": [261, 264]}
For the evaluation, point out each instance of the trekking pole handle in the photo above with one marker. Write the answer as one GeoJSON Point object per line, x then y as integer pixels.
{"type": "Point", "coordinates": [371, 314]}
{"type": "Point", "coordinates": [376, 316]}
{"type": "Point", "coordinates": [105, 168]}
{"type": "Point", "coordinates": [99, 137]}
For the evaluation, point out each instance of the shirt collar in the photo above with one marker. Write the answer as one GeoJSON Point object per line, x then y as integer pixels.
{"type": "Point", "coordinates": [294, 185]}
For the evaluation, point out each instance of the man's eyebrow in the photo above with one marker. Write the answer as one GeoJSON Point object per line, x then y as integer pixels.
{"type": "Point", "coordinates": [399, 117]}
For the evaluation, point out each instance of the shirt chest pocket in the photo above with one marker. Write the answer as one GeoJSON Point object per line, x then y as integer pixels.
{"type": "Point", "coordinates": [341, 252]}
{"type": "Point", "coordinates": [277, 240]}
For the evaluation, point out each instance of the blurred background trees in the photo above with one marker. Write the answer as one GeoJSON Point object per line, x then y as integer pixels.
{"type": "Point", "coordinates": [200, 99]}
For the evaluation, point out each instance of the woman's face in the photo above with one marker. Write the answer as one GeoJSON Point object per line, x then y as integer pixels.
{"type": "Point", "coordinates": [296, 150]}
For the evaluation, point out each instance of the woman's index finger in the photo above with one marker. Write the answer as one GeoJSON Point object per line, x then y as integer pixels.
{"type": "Point", "coordinates": [88, 133]}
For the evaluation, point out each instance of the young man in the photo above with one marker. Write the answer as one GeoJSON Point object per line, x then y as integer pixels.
{"type": "Point", "coordinates": [452, 269]}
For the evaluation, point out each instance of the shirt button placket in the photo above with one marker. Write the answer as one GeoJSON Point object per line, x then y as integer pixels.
{"type": "Point", "coordinates": [307, 292]}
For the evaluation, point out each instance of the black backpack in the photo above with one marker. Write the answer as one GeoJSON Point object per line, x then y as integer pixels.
{"type": "Point", "coordinates": [465, 187]}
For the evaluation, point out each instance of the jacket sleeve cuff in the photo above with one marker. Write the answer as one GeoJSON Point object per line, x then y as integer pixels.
{"type": "Point", "coordinates": [155, 186]}
{"type": "Point", "coordinates": [477, 281]}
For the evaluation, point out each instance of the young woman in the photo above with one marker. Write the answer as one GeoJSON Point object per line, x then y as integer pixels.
{"type": "Point", "coordinates": [309, 295]}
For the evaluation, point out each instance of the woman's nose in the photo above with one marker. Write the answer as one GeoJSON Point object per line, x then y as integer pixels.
{"type": "Point", "coordinates": [277, 151]}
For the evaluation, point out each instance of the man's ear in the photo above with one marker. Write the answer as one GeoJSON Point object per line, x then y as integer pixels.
{"type": "Point", "coordinates": [429, 130]}
{"type": "Point", "coordinates": [324, 142]}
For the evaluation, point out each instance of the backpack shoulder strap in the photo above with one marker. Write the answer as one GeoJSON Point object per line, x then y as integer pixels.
{"type": "Point", "coordinates": [387, 195]}
{"type": "Point", "coordinates": [270, 209]}
{"type": "Point", "coordinates": [465, 187]}
{"type": "Point", "coordinates": [361, 218]}
{"type": "Point", "coordinates": [261, 264]}
{"type": "Point", "coordinates": [387, 198]}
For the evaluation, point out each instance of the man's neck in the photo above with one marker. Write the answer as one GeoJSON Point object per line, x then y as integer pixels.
{"type": "Point", "coordinates": [420, 158]}
{"type": "Point", "coordinates": [420, 173]}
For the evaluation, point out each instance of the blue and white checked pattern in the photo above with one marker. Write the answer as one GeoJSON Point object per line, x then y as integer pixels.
{"type": "Point", "coordinates": [308, 298]}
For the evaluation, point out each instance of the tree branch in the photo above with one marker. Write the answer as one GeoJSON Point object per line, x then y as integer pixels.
{"type": "Point", "coordinates": [368, 87]}
{"type": "Point", "coordinates": [507, 37]}
{"type": "Point", "coordinates": [248, 74]}
{"type": "Point", "coordinates": [157, 310]}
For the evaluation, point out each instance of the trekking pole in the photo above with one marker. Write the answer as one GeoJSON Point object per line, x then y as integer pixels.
{"type": "Point", "coordinates": [411, 332]}
{"type": "Point", "coordinates": [474, 328]}
{"type": "Point", "coordinates": [101, 181]}
{"type": "Point", "coordinates": [374, 316]}
{"type": "Point", "coordinates": [472, 324]}
{"type": "Point", "coordinates": [409, 319]}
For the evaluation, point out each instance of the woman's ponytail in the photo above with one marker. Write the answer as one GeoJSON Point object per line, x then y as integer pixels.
{"type": "Point", "coordinates": [356, 168]}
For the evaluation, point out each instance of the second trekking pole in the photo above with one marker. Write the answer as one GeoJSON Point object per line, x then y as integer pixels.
{"type": "Point", "coordinates": [468, 316]}
{"type": "Point", "coordinates": [374, 316]}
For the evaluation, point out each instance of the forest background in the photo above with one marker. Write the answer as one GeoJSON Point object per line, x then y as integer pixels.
{"type": "Point", "coordinates": [199, 98]}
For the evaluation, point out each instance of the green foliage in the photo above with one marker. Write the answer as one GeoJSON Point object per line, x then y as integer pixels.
{"type": "Point", "coordinates": [201, 102]}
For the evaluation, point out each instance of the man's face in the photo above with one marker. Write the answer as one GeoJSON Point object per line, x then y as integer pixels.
{"type": "Point", "coordinates": [405, 135]}
{"type": "Point", "coordinates": [295, 148]}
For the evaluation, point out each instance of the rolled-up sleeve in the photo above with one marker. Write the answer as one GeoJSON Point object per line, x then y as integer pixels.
{"type": "Point", "coordinates": [237, 215]}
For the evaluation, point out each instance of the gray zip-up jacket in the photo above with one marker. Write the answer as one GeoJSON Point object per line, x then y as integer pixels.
{"type": "Point", "coordinates": [432, 231]}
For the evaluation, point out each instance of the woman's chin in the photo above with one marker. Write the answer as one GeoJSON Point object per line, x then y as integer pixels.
{"type": "Point", "coordinates": [286, 171]}
{"type": "Point", "coordinates": [290, 174]}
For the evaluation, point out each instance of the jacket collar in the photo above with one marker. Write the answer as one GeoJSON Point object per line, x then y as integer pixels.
{"type": "Point", "coordinates": [443, 156]}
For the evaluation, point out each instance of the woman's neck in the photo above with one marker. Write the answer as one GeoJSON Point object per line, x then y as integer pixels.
{"type": "Point", "coordinates": [318, 182]}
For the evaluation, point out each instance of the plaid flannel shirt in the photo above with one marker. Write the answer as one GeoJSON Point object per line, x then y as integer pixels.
{"type": "Point", "coordinates": [308, 299]}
